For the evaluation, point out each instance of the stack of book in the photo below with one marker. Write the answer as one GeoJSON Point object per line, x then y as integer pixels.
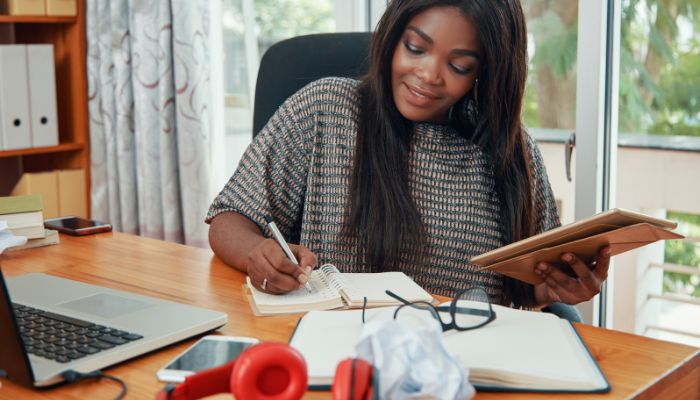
{"type": "Point", "coordinates": [24, 216]}
{"type": "Point", "coordinates": [50, 238]}
{"type": "Point", "coordinates": [7, 239]}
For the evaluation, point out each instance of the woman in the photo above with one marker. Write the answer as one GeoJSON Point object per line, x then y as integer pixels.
{"type": "Point", "coordinates": [418, 167]}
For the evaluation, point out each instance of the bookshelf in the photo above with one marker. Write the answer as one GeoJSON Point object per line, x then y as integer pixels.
{"type": "Point", "coordinates": [67, 34]}
{"type": "Point", "coordinates": [36, 19]}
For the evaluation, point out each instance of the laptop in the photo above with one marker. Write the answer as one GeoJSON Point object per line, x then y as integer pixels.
{"type": "Point", "coordinates": [49, 325]}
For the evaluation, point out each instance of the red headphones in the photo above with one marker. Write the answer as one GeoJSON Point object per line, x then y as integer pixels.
{"type": "Point", "coordinates": [353, 380]}
{"type": "Point", "coordinates": [265, 371]}
{"type": "Point", "coordinates": [271, 371]}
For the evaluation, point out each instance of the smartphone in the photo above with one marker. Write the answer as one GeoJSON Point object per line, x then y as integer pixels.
{"type": "Point", "coordinates": [77, 226]}
{"type": "Point", "coordinates": [208, 352]}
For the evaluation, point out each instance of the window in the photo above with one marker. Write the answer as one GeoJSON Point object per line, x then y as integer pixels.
{"type": "Point", "coordinates": [660, 68]}
{"type": "Point", "coordinates": [679, 299]}
{"type": "Point", "coordinates": [659, 136]}
{"type": "Point", "coordinates": [655, 290]}
{"type": "Point", "coordinates": [250, 27]}
{"type": "Point", "coordinates": [549, 105]}
{"type": "Point", "coordinates": [550, 97]}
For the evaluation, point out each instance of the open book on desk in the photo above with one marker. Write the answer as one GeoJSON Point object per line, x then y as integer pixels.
{"type": "Point", "coordinates": [622, 230]}
{"type": "Point", "coordinates": [333, 289]}
{"type": "Point", "coordinates": [518, 351]}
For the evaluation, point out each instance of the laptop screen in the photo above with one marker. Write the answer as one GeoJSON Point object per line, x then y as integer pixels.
{"type": "Point", "coordinates": [14, 362]}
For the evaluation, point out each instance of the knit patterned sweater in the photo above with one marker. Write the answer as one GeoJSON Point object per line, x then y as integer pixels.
{"type": "Point", "coordinates": [298, 171]}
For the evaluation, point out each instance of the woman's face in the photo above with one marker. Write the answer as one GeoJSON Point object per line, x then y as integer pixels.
{"type": "Point", "coordinates": [435, 64]}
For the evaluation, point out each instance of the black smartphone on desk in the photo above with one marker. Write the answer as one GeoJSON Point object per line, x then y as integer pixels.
{"type": "Point", "coordinates": [77, 226]}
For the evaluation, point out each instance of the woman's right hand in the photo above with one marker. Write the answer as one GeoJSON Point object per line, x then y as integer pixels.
{"type": "Point", "coordinates": [272, 272]}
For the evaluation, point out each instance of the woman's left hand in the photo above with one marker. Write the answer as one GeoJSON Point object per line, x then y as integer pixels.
{"type": "Point", "coordinates": [560, 287]}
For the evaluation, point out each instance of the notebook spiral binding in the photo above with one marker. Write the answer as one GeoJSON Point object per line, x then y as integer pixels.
{"type": "Point", "coordinates": [331, 276]}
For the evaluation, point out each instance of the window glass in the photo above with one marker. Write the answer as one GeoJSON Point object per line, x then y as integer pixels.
{"type": "Point", "coordinates": [550, 96]}
{"type": "Point", "coordinates": [549, 104]}
{"type": "Point", "coordinates": [244, 44]}
{"type": "Point", "coordinates": [679, 298]}
{"type": "Point", "coordinates": [660, 67]}
{"type": "Point", "coordinates": [658, 158]}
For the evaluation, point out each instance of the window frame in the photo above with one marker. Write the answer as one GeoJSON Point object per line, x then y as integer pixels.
{"type": "Point", "coordinates": [596, 126]}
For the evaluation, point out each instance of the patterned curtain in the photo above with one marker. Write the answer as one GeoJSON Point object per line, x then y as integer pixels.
{"type": "Point", "coordinates": [149, 102]}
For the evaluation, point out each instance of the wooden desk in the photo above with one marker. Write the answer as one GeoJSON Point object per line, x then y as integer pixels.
{"type": "Point", "coordinates": [636, 367]}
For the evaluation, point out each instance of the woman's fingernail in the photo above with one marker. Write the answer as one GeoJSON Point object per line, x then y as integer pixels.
{"type": "Point", "coordinates": [568, 257]}
{"type": "Point", "coordinates": [308, 270]}
{"type": "Point", "coordinates": [606, 252]}
{"type": "Point", "coordinates": [542, 267]}
{"type": "Point", "coordinates": [303, 279]}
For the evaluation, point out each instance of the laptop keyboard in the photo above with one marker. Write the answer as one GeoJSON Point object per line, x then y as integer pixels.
{"type": "Point", "coordinates": [63, 339]}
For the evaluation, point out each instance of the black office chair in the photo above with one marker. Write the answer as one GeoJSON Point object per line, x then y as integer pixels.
{"type": "Point", "coordinates": [564, 311]}
{"type": "Point", "coordinates": [289, 65]}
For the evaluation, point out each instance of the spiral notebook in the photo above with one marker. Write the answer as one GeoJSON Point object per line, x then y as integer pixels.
{"type": "Point", "coordinates": [334, 289]}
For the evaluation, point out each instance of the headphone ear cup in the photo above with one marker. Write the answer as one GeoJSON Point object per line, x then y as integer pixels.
{"type": "Point", "coordinates": [202, 384]}
{"type": "Point", "coordinates": [353, 380]}
{"type": "Point", "coordinates": [269, 371]}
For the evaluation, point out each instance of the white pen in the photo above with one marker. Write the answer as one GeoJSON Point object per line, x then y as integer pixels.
{"type": "Point", "coordinates": [285, 247]}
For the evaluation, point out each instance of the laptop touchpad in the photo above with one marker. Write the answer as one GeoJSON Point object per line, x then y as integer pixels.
{"type": "Point", "coordinates": [106, 305]}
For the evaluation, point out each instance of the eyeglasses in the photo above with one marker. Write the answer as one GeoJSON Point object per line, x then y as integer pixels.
{"type": "Point", "coordinates": [470, 309]}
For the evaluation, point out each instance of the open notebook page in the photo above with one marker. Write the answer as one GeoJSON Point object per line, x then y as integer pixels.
{"type": "Point", "coordinates": [521, 344]}
{"type": "Point", "coordinates": [323, 296]}
{"type": "Point", "coordinates": [357, 286]}
{"type": "Point", "coordinates": [325, 338]}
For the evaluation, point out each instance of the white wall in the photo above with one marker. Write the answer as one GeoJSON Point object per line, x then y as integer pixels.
{"type": "Point", "coordinates": [659, 179]}
{"type": "Point", "coordinates": [553, 154]}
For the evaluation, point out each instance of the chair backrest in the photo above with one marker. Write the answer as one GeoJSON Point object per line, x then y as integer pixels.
{"type": "Point", "coordinates": [564, 311]}
{"type": "Point", "coordinates": [289, 65]}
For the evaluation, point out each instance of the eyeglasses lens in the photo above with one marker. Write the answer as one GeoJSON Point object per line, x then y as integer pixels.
{"type": "Point", "coordinates": [473, 308]}
{"type": "Point", "coordinates": [416, 315]}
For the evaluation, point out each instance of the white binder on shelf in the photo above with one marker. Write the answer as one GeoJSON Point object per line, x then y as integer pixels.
{"type": "Point", "coordinates": [14, 97]}
{"type": "Point", "coordinates": [42, 95]}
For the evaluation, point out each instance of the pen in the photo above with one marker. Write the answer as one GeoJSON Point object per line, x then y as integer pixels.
{"type": "Point", "coordinates": [285, 247]}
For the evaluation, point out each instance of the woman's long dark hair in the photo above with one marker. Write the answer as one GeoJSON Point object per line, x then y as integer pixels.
{"type": "Point", "coordinates": [380, 210]}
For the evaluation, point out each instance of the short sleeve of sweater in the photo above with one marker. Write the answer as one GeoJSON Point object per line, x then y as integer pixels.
{"type": "Point", "coordinates": [546, 213]}
{"type": "Point", "coordinates": [271, 177]}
